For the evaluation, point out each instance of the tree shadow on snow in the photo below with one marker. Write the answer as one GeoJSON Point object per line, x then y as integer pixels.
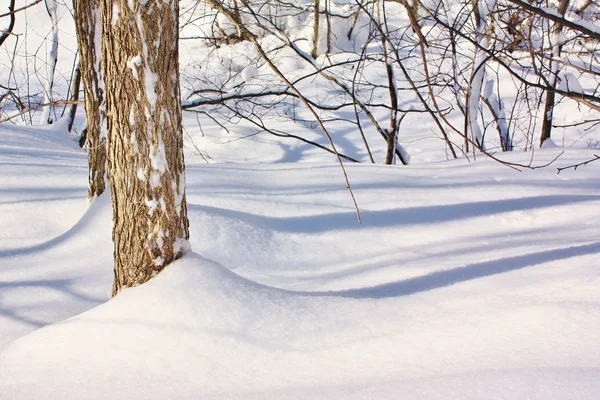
{"type": "Point", "coordinates": [82, 228]}
{"type": "Point", "coordinates": [26, 316]}
{"type": "Point", "coordinates": [439, 279]}
{"type": "Point", "coordinates": [395, 217]}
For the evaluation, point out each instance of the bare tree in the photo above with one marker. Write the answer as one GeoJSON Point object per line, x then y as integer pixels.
{"type": "Point", "coordinates": [51, 7]}
{"type": "Point", "coordinates": [474, 90]}
{"type": "Point", "coordinates": [145, 142]}
{"type": "Point", "coordinates": [556, 45]}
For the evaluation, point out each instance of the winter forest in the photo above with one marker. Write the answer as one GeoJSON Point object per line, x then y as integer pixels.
{"type": "Point", "coordinates": [313, 199]}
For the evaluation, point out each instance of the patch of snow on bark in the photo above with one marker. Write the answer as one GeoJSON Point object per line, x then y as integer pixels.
{"type": "Point", "coordinates": [154, 179]}
{"type": "Point", "coordinates": [115, 15]}
{"type": "Point", "coordinates": [181, 245]}
{"type": "Point", "coordinates": [179, 192]}
{"type": "Point", "coordinates": [158, 261]}
{"type": "Point", "coordinates": [133, 65]}
{"type": "Point", "coordinates": [132, 116]}
{"type": "Point", "coordinates": [150, 81]}
{"type": "Point", "coordinates": [134, 144]}
{"type": "Point", "coordinates": [158, 159]}
{"type": "Point", "coordinates": [151, 204]}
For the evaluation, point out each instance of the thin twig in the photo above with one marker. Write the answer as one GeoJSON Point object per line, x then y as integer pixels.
{"type": "Point", "coordinates": [12, 12]}
{"type": "Point", "coordinates": [54, 103]}
{"type": "Point", "coordinates": [574, 166]}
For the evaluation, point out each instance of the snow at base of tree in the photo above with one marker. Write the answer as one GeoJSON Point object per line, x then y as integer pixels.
{"type": "Point", "coordinates": [548, 144]}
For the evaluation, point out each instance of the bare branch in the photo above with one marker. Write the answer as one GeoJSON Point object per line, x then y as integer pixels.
{"type": "Point", "coordinates": [54, 103]}
{"type": "Point", "coordinates": [575, 166]}
{"type": "Point", "coordinates": [11, 25]}
{"type": "Point", "coordinates": [12, 12]}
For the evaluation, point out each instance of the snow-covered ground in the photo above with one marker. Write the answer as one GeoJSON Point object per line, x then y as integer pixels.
{"type": "Point", "coordinates": [465, 280]}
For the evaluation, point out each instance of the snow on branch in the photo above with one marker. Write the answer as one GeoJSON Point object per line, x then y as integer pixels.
{"type": "Point", "coordinates": [582, 26]}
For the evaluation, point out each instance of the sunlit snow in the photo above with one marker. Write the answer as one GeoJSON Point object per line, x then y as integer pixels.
{"type": "Point", "coordinates": [467, 279]}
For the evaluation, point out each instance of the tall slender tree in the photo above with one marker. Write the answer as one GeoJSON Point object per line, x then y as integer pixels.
{"type": "Point", "coordinates": [145, 141]}
{"type": "Point", "coordinates": [47, 118]}
{"type": "Point", "coordinates": [87, 23]}
{"type": "Point", "coordinates": [556, 46]}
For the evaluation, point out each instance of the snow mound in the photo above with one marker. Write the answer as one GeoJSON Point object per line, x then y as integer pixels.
{"type": "Point", "coordinates": [200, 331]}
{"type": "Point", "coordinates": [549, 144]}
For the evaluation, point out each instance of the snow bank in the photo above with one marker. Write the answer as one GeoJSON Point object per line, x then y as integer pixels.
{"type": "Point", "coordinates": [199, 330]}
{"type": "Point", "coordinates": [464, 281]}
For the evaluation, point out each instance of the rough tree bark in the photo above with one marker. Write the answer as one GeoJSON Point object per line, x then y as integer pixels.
{"type": "Point", "coordinates": [87, 23]}
{"type": "Point", "coordinates": [145, 141]}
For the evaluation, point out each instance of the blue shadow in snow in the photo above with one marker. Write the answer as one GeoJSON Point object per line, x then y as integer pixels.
{"type": "Point", "coordinates": [59, 285]}
{"type": "Point", "coordinates": [396, 217]}
{"type": "Point", "coordinates": [86, 220]}
{"type": "Point", "coordinates": [439, 279]}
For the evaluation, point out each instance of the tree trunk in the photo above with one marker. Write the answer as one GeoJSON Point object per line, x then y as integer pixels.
{"type": "Point", "coordinates": [328, 22]}
{"type": "Point", "coordinates": [391, 133]}
{"type": "Point", "coordinates": [145, 141]}
{"type": "Point", "coordinates": [87, 23]}
{"type": "Point", "coordinates": [315, 44]}
{"type": "Point", "coordinates": [75, 85]}
{"type": "Point", "coordinates": [550, 94]}
{"type": "Point", "coordinates": [47, 110]}
{"type": "Point", "coordinates": [474, 90]}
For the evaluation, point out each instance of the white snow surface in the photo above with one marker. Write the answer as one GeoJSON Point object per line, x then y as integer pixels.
{"type": "Point", "coordinates": [464, 281]}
